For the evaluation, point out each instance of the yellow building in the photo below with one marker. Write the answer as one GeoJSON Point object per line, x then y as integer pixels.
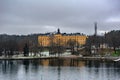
{"type": "Point", "coordinates": [62, 39]}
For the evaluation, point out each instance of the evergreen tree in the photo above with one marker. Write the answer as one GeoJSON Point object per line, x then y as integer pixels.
{"type": "Point", "coordinates": [26, 50]}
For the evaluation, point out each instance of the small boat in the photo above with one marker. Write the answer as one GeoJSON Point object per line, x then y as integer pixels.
{"type": "Point", "coordinates": [117, 59]}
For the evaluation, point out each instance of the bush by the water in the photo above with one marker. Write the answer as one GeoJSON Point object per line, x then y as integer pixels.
{"type": "Point", "coordinates": [116, 54]}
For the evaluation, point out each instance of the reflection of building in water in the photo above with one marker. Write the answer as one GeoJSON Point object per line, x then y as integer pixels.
{"type": "Point", "coordinates": [62, 62]}
{"type": "Point", "coordinates": [73, 62]}
{"type": "Point", "coordinates": [81, 63]}
{"type": "Point", "coordinates": [76, 62]}
{"type": "Point", "coordinates": [45, 39]}
{"type": "Point", "coordinates": [45, 62]}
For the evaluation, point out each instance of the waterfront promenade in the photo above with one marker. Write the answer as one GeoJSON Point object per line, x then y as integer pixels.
{"type": "Point", "coordinates": [61, 57]}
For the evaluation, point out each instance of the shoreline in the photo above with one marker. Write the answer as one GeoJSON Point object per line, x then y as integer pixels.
{"type": "Point", "coordinates": [61, 57]}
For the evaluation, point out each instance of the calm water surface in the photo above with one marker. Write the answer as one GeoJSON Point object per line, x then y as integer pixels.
{"type": "Point", "coordinates": [64, 69]}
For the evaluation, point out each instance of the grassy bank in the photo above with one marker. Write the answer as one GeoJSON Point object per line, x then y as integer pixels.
{"type": "Point", "coordinates": [116, 54]}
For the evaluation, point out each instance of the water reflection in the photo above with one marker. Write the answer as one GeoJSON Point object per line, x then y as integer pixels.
{"type": "Point", "coordinates": [8, 67]}
{"type": "Point", "coordinates": [63, 62]}
{"type": "Point", "coordinates": [26, 65]}
{"type": "Point", "coordinates": [59, 69]}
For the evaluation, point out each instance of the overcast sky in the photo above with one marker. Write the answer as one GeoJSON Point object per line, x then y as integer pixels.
{"type": "Point", "coordinates": [41, 16]}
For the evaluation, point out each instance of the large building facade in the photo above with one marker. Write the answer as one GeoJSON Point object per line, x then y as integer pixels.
{"type": "Point", "coordinates": [60, 38]}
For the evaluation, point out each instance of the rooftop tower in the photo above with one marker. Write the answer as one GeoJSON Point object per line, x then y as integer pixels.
{"type": "Point", "coordinates": [58, 31]}
{"type": "Point", "coordinates": [95, 25]}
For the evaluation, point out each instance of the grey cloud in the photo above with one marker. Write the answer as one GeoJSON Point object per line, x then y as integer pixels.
{"type": "Point", "coordinates": [69, 15]}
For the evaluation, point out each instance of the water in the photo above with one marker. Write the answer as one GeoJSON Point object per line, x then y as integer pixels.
{"type": "Point", "coordinates": [64, 69]}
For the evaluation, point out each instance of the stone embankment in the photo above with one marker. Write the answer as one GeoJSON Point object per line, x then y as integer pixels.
{"type": "Point", "coordinates": [61, 57]}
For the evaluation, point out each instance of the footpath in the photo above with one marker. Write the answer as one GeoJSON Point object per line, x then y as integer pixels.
{"type": "Point", "coordinates": [61, 57]}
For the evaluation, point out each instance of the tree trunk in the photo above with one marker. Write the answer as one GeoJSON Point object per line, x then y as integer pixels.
{"type": "Point", "coordinates": [115, 50]}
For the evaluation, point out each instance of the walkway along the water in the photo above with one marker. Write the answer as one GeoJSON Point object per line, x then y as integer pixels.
{"type": "Point", "coordinates": [61, 57]}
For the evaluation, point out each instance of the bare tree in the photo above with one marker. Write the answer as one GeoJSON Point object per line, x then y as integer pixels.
{"type": "Point", "coordinates": [72, 44]}
{"type": "Point", "coordinates": [51, 44]}
{"type": "Point", "coordinates": [113, 39]}
{"type": "Point", "coordinates": [40, 47]}
{"type": "Point", "coordinates": [55, 45]}
{"type": "Point", "coordinates": [59, 46]}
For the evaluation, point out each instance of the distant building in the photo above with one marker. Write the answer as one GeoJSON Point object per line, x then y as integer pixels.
{"type": "Point", "coordinates": [63, 38]}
